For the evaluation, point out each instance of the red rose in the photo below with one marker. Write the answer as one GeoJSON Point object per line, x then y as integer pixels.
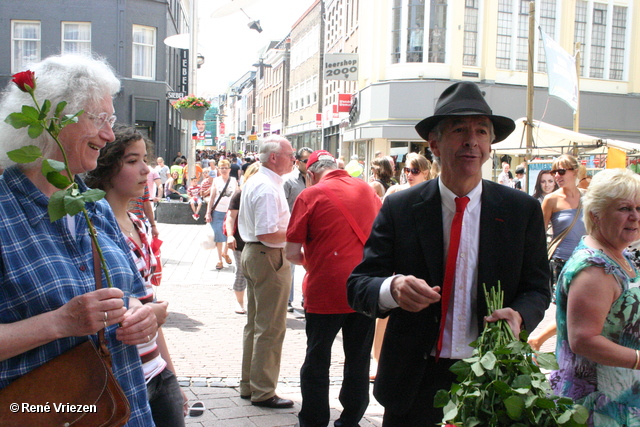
{"type": "Point", "coordinates": [25, 80]}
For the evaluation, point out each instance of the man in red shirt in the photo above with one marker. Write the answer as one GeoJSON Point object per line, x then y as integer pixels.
{"type": "Point", "coordinates": [328, 239]}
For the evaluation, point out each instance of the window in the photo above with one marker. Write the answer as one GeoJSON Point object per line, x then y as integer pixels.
{"type": "Point", "coordinates": [76, 37]}
{"type": "Point", "coordinates": [395, 33]}
{"type": "Point", "coordinates": [601, 29]}
{"type": "Point", "coordinates": [144, 52]}
{"type": "Point", "coordinates": [503, 48]}
{"type": "Point", "coordinates": [617, 42]}
{"type": "Point", "coordinates": [415, 28]}
{"type": "Point", "coordinates": [437, 31]}
{"type": "Point", "coordinates": [470, 48]}
{"type": "Point", "coordinates": [407, 41]}
{"type": "Point", "coordinates": [548, 25]}
{"type": "Point", "coordinates": [25, 44]}
{"type": "Point", "coordinates": [580, 32]}
{"type": "Point", "coordinates": [598, 34]}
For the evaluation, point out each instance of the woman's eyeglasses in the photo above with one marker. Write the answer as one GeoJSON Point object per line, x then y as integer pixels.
{"type": "Point", "coordinates": [561, 172]}
{"type": "Point", "coordinates": [99, 120]}
{"type": "Point", "coordinates": [413, 171]}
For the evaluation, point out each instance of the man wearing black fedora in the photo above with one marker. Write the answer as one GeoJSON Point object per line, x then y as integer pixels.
{"type": "Point", "coordinates": [431, 249]}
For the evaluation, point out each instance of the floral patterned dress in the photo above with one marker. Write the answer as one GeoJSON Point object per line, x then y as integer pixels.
{"type": "Point", "coordinates": [611, 394]}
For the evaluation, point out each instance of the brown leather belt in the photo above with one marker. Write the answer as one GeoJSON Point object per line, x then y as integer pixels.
{"type": "Point", "coordinates": [150, 356]}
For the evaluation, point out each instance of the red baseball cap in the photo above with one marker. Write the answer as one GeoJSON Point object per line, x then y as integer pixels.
{"type": "Point", "coordinates": [315, 156]}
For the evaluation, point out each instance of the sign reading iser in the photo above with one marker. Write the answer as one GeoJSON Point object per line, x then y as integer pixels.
{"type": "Point", "coordinates": [341, 66]}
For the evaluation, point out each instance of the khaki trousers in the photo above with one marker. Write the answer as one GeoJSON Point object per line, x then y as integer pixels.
{"type": "Point", "coordinates": [268, 276]}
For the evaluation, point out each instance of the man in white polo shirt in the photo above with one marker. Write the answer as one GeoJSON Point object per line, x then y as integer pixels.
{"type": "Point", "coordinates": [262, 222]}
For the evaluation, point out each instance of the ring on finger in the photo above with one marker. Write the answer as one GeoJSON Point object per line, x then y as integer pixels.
{"type": "Point", "coordinates": [106, 316]}
{"type": "Point", "coordinates": [148, 338]}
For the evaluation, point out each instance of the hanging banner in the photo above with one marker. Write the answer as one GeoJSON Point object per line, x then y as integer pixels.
{"type": "Point", "coordinates": [344, 102]}
{"type": "Point", "coordinates": [561, 70]}
{"type": "Point", "coordinates": [616, 158]}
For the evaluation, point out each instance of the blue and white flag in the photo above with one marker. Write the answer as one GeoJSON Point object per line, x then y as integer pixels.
{"type": "Point", "coordinates": [561, 70]}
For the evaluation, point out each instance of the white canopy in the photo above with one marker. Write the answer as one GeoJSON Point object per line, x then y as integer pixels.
{"type": "Point", "coordinates": [549, 140]}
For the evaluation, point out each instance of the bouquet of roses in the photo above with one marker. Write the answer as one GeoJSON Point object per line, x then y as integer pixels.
{"type": "Point", "coordinates": [501, 385]}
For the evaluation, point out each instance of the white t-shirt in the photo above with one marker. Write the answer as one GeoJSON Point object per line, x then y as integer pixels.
{"type": "Point", "coordinates": [218, 184]}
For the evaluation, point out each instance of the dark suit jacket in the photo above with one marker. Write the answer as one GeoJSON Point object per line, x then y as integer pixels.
{"type": "Point", "coordinates": [407, 238]}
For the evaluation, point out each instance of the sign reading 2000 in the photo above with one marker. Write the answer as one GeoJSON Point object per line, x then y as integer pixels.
{"type": "Point", "coordinates": [341, 66]}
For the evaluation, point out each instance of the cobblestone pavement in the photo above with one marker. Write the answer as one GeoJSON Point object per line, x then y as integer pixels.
{"type": "Point", "coordinates": [204, 336]}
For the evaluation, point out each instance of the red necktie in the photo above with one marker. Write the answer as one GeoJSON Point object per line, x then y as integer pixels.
{"type": "Point", "coordinates": [450, 268]}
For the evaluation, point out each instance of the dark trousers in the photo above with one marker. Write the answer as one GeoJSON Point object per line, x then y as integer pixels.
{"type": "Point", "coordinates": [357, 338]}
{"type": "Point", "coordinates": [165, 399]}
{"type": "Point", "coordinates": [422, 413]}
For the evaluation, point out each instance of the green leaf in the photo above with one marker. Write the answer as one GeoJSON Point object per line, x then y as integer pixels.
{"type": "Point", "coordinates": [60, 107]}
{"type": "Point", "coordinates": [545, 403]}
{"type": "Point", "coordinates": [46, 106]}
{"type": "Point", "coordinates": [441, 399]}
{"type": "Point", "coordinates": [514, 406]}
{"type": "Point", "coordinates": [522, 381]}
{"type": "Point", "coordinates": [565, 417]}
{"type": "Point", "coordinates": [58, 180]}
{"type": "Point", "coordinates": [471, 422]}
{"type": "Point", "coordinates": [450, 412]}
{"type": "Point", "coordinates": [460, 368]}
{"type": "Point", "coordinates": [35, 130]}
{"type": "Point", "coordinates": [580, 415]}
{"type": "Point", "coordinates": [96, 194]}
{"type": "Point", "coordinates": [18, 120]}
{"type": "Point", "coordinates": [68, 119]}
{"type": "Point", "coordinates": [73, 204]}
{"type": "Point", "coordinates": [502, 388]}
{"type": "Point", "coordinates": [52, 166]}
{"type": "Point", "coordinates": [477, 369]}
{"type": "Point", "coordinates": [27, 154]}
{"type": "Point", "coordinates": [530, 400]}
{"type": "Point", "coordinates": [30, 112]}
{"type": "Point", "coordinates": [56, 205]}
{"type": "Point", "coordinates": [547, 361]}
{"type": "Point", "coordinates": [488, 361]}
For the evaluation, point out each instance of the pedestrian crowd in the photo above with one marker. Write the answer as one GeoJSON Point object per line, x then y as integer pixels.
{"type": "Point", "coordinates": [395, 260]}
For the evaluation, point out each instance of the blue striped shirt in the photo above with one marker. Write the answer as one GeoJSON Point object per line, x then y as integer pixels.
{"type": "Point", "coordinates": [43, 266]}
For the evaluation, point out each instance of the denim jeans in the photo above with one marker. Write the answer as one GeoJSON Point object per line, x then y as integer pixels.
{"type": "Point", "coordinates": [165, 399]}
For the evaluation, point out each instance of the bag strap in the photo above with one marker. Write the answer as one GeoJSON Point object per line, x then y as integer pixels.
{"type": "Point", "coordinates": [345, 212]}
{"type": "Point", "coordinates": [103, 350]}
{"type": "Point", "coordinates": [220, 195]}
{"type": "Point", "coordinates": [553, 245]}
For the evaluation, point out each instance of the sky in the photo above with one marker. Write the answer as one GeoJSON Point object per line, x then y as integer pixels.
{"type": "Point", "coordinates": [230, 48]}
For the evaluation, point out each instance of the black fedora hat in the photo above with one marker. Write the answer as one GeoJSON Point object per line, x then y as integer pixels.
{"type": "Point", "coordinates": [465, 99]}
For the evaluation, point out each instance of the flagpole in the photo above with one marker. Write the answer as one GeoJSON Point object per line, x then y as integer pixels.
{"type": "Point", "coordinates": [576, 113]}
{"type": "Point", "coordinates": [532, 35]}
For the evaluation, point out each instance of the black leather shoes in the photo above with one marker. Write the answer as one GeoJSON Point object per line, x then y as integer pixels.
{"type": "Point", "coordinates": [248, 396]}
{"type": "Point", "coordinates": [274, 402]}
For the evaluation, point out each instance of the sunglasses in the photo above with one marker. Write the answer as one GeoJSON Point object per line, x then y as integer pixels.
{"type": "Point", "coordinates": [561, 171]}
{"type": "Point", "coordinates": [304, 161]}
{"type": "Point", "coordinates": [413, 171]}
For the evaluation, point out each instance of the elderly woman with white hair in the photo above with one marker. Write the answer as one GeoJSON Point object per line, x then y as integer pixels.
{"type": "Point", "coordinates": [49, 300]}
{"type": "Point", "coordinates": [598, 306]}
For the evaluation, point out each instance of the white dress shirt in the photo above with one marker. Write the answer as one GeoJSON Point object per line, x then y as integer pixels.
{"type": "Point", "coordinates": [263, 207]}
{"type": "Point", "coordinates": [461, 328]}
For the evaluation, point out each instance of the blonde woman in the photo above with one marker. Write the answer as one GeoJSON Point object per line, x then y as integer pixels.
{"type": "Point", "coordinates": [222, 188]}
{"type": "Point", "coordinates": [417, 170]}
{"type": "Point", "coordinates": [560, 208]}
